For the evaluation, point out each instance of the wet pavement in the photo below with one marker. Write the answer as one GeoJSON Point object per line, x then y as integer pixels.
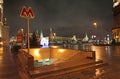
{"type": "Point", "coordinates": [109, 54]}
{"type": "Point", "coordinates": [8, 69]}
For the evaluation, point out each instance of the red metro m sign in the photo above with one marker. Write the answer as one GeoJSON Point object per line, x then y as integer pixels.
{"type": "Point", "coordinates": [27, 13]}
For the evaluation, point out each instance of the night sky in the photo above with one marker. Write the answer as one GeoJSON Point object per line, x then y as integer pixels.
{"type": "Point", "coordinates": [65, 17]}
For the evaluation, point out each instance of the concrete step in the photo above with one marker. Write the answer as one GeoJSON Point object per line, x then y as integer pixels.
{"type": "Point", "coordinates": [70, 71]}
{"type": "Point", "coordinates": [64, 71]}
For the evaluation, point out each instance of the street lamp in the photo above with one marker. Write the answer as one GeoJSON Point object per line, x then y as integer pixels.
{"type": "Point", "coordinates": [95, 24]}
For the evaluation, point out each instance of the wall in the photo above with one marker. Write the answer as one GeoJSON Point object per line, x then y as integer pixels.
{"type": "Point", "coordinates": [57, 53]}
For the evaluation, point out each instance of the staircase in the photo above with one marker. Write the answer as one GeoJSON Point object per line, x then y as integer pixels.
{"type": "Point", "coordinates": [57, 71]}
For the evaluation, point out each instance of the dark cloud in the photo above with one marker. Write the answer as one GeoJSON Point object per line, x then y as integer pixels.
{"type": "Point", "coordinates": [66, 17]}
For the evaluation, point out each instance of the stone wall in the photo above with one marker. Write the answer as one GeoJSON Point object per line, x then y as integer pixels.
{"type": "Point", "coordinates": [57, 53]}
{"type": "Point", "coordinates": [26, 60]}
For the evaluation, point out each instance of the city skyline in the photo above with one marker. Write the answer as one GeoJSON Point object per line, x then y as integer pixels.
{"type": "Point", "coordinates": [65, 17]}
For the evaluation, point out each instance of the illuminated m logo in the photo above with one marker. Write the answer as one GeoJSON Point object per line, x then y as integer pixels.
{"type": "Point", "coordinates": [27, 13]}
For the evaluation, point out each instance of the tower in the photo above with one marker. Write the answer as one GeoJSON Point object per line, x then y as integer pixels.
{"type": "Point", "coordinates": [51, 37]}
{"type": "Point", "coordinates": [41, 35]}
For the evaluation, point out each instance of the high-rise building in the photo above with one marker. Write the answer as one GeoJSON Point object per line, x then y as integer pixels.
{"type": "Point", "coordinates": [116, 16]}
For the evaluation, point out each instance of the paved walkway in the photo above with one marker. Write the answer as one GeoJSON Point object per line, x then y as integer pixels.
{"type": "Point", "coordinates": [8, 69]}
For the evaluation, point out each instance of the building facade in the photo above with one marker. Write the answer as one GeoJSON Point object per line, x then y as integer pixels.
{"type": "Point", "coordinates": [116, 16]}
{"type": "Point", "coordinates": [4, 29]}
{"type": "Point", "coordinates": [1, 17]}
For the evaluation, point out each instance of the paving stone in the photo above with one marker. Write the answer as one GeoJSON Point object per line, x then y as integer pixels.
{"type": "Point", "coordinates": [8, 69]}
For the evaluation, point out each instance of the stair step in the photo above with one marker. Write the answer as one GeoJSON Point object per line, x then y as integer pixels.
{"type": "Point", "coordinates": [68, 70]}
{"type": "Point", "coordinates": [71, 71]}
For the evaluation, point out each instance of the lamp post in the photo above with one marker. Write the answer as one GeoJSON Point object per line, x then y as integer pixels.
{"type": "Point", "coordinates": [95, 25]}
{"type": "Point", "coordinates": [28, 34]}
{"type": "Point", "coordinates": [50, 52]}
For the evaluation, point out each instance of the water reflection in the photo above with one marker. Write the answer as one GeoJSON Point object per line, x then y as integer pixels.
{"type": "Point", "coordinates": [111, 55]}
{"type": "Point", "coordinates": [99, 52]}
{"type": "Point", "coordinates": [99, 72]}
{"type": "Point", "coordinates": [1, 49]}
{"type": "Point", "coordinates": [106, 52]}
{"type": "Point", "coordinates": [4, 51]}
{"type": "Point", "coordinates": [1, 52]}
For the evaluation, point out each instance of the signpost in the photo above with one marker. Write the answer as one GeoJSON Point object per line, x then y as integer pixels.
{"type": "Point", "coordinates": [27, 14]}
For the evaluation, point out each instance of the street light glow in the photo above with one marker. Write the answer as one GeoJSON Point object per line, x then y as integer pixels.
{"type": "Point", "coordinates": [95, 24]}
{"type": "Point", "coordinates": [36, 53]}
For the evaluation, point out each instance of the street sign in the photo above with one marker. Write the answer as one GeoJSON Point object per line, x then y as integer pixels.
{"type": "Point", "coordinates": [27, 13]}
